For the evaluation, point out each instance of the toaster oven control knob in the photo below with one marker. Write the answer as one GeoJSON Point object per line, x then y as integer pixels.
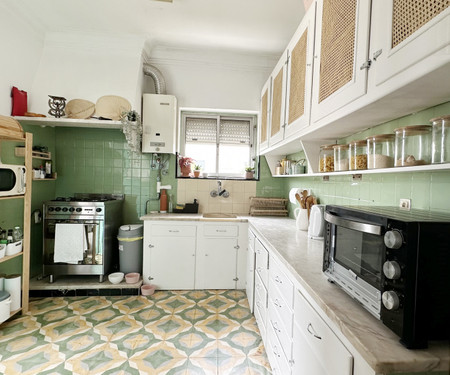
{"type": "Point", "coordinates": [392, 270]}
{"type": "Point", "coordinates": [393, 239]}
{"type": "Point", "coordinates": [390, 300]}
{"type": "Point", "coordinates": [71, 209]}
{"type": "Point", "coordinates": [78, 209]}
{"type": "Point", "coordinates": [98, 209]}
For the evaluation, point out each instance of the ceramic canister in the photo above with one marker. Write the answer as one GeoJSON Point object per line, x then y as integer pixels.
{"type": "Point", "coordinates": [13, 287]}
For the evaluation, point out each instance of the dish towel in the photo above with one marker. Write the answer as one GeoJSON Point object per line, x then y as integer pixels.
{"type": "Point", "coordinates": [69, 243]}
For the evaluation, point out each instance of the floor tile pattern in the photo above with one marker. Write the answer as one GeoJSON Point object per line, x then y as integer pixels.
{"type": "Point", "coordinates": [210, 332]}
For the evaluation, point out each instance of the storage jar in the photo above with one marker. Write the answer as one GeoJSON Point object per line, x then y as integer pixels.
{"type": "Point", "coordinates": [358, 155]}
{"type": "Point", "coordinates": [380, 151]}
{"type": "Point", "coordinates": [340, 157]}
{"type": "Point", "coordinates": [440, 140]}
{"type": "Point", "coordinates": [413, 145]}
{"type": "Point", "coordinates": [326, 158]}
{"type": "Point", "coordinates": [5, 306]}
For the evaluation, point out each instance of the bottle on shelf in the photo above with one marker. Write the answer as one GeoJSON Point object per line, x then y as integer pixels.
{"type": "Point", "coordinates": [48, 169]}
{"type": "Point", "coordinates": [17, 234]}
{"type": "Point", "coordinates": [163, 202]}
{"type": "Point", "coordinates": [10, 237]}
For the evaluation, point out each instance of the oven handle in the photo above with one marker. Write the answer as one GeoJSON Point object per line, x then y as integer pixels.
{"type": "Point", "coordinates": [355, 225]}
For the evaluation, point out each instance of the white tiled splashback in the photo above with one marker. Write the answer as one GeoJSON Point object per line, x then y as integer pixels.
{"type": "Point", "coordinates": [238, 202]}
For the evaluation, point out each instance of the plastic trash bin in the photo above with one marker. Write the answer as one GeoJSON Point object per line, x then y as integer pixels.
{"type": "Point", "coordinates": [130, 248]}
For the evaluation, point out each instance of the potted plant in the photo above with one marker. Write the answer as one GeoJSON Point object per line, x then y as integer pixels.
{"type": "Point", "coordinates": [249, 173]}
{"type": "Point", "coordinates": [197, 169]}
{"type": "Point", "coordinates": [185, 165]}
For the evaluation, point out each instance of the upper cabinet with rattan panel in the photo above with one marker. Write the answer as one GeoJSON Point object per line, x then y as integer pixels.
{"type": "Point", "coordinates": [278, 102]}
{"type": "Point", "coordinates": [300, 68]}
{"type": "Point", "coordinates": [410, 38]}
{"type": "Point", "coordinates": [264, 118]}
{"type": "Point", "coordinates": [342, 45]}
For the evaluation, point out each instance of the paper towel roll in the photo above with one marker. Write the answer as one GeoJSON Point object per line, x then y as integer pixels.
{"type": "Point", "coordinates": [13, 285]}
{"type": "Point", "coordinates": [292, 193]}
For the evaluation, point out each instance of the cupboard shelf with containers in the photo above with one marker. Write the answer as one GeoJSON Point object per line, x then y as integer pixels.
{"type": "Point", "coordinates": [69, 122]}
{"type": "Point", "coordinates": [10, 130]}
{"type": "Point", "coordinates": [386, 77]}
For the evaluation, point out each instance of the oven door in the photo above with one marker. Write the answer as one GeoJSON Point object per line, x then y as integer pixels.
{"type": "Point", "coordinates": [93, 243]}
{"type": "Point", "coordinates": [356, 257]}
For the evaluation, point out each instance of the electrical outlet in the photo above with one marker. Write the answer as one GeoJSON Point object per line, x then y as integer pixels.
{"type": "Point", "coordinates": [405, 204]}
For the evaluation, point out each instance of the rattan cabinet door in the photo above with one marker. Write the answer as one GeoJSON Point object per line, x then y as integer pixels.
{"type": "Point", "coordinates": [408, 40]}
{"type": "Point", "coordinates": [278, 102]}
{"type": "Point", "coordinates": [264, 118]}
{"type": "Point", "coordinates": [341, 50]}
{"type": "Point", "coordinates": [299, 73]}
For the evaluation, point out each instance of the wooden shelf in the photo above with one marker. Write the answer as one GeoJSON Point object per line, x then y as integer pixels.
{"type": "Point", "coordinates": [13, 197]}
{"type": "Point", "coordinates": [20, 152]}
{"type": "Point", "coordinates": [9, 257]}
{"type": "Point", "coordinates": [421, 168]}
{"type": "Point", "coordinates": [12, 313]}
{"type": "Point", "coordinates": [69, 122]}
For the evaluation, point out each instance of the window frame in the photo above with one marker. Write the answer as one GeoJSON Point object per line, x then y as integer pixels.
{"type": "Point", "coordinates": [251, 116]}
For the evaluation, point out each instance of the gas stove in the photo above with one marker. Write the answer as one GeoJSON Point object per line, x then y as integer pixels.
{"type": "Point", "coordinates": [81, 205]}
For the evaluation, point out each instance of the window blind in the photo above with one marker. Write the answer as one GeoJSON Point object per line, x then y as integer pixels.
{"type": "Point", "coordinates": [234, 132]}
{"type": "Point", "coordinates": [202, 130]}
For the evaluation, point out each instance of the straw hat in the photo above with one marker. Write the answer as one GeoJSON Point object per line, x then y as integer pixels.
{"type": "Point", "coordinates": [80, 109]}
{"type": "Point", "coordinates": [111, 107]}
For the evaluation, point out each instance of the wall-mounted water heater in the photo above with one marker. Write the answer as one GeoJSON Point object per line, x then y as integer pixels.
{"type": "Point", "coordinates": [159, 120]}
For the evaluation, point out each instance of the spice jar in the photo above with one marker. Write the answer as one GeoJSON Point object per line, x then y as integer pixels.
{"type": "Point", "coordinates": [358, 155]}
{"type": "Point", "coordinates": [340, 157]}
{"type": "Point", "coordinates": [412, 145]}
{"type": "Point", "coordinates": [380, 151]}
{"type": "Point", "coordinates": [440, 139]}
{"type": "Point", "coordinates": [326, 158]}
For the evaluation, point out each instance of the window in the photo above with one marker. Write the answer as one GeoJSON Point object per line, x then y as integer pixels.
{"type": "Point", "coordinates": [221, 143]}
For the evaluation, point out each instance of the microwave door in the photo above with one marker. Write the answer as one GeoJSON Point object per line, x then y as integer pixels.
{"type": "Point", "coordinates": [7, 179]}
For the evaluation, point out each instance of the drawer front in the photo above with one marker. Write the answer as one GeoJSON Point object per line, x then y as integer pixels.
{"type": "Point", "coordinates": [260, 298]}
{"type": "Point", "coordinates": [282, 283]}
{"type": "Point", "coordinates": [281, 329]}
{"type": "Point", "coordinates": [214, 230]}
{"type": "Point", "coordinates": [261, 324]}
{"type": "Point", "coordinates": [335, 357]}
{"type": "Point", "coordinates": [279, 305]}
{"type": "Point", "coordinates": [262, 262]}
{"type": "Point", "coordinates": [277, 359]}
{"type": "Point", "coordinates": [164, 230]}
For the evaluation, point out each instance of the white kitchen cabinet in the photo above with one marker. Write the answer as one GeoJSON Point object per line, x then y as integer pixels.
{"type": "Point", "coordinates": [264, 118]}
{"type": "Point", "coordinates": [278, 101]}
{"type": "Point", "coordinates": [299, 75]}
{"type": "Point", "coordinates": [341, 50]}
{"type": "Point", "coordinates": [250, 280]}
{"type": "Point", "coordinates": [216, 263]}
{"type": "Point", "coordinates": [406, 34]}
{"type": "Point", "coordinates": [169, 255]}
{"type": "Point", "coordinates": [316, 349]}
{"type": "Point", "coordinates": [194, 255]}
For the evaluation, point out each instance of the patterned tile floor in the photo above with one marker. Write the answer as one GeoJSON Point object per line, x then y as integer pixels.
{"type": "Point", "coordinates": [177, 333]}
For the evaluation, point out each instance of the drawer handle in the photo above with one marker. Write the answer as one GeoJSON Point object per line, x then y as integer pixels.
{"type": "Point", "coordinates": [278, 280]}
{"type": "Point", "coordinates": [277, 303]}
{"type": "Point", "coordinates": [221, 230]}
{"type": "Point", "coordinates": [174, 231]}
{"type": "Point", "coordinates": [275, 352]}
{"type": "Point", "coordinates": [275, 327]}
{"type": "Point", "coordinates": [313, 332]}
{"type": "Point", "coordinates": [150, 245]}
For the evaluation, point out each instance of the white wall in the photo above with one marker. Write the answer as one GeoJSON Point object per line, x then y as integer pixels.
{"type": "Point", "coordinates": [213, 79]}
{"type": "Point", "coordinates": [21, 46]}
{"type": "Point", "coordinates": [86, 66]}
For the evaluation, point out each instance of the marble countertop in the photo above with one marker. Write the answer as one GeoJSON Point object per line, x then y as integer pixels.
{"type": "Point", "coordinates": [378, 345]}
{"type": "Point", "coordinates": [192, 217]}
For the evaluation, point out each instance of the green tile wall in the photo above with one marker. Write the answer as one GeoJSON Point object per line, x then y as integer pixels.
{"type": "Point", "coordinates": [427, 190]}
{"type": "Point", "coordinates": [99, 161]}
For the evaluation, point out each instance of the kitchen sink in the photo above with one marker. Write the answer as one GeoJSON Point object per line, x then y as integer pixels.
{"type": "Point", "coordinates": [212, 215]}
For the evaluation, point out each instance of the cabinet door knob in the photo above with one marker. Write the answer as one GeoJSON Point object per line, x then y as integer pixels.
{"type": "Point", "coordinates": [150, 245]}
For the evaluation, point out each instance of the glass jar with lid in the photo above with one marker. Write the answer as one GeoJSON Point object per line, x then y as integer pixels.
{"type": "Point", "coordinates": [340, 157]}
{"type": "Point", "coordinates": [358, 155]}
{"type": "Point", "coordinates": [326, 158]}
{"type": "Point", "coordinates": [380, 151]}
{"type": "Point", "coordinates": [440, 140]}
{"type": "Point", "coordinates": [413, 145]}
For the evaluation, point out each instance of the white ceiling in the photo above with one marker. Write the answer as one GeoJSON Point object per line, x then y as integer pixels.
{"type": "Point", "coordinates": [254, 26]}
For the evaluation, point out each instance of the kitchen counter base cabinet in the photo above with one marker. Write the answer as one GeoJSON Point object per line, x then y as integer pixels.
{"type": "Point", "coordinates": [186, 255]}
{"type": "Point", "coordinates": [169, 255]}
{"type": "Point", "coordinates": [250, 281]}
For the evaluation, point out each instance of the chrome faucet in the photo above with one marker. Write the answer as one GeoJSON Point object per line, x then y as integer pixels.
{"type": "Point", "coordinates": [219, 192]}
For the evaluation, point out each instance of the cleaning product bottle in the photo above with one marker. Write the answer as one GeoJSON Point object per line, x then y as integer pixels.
{"type": "Point", "coordinates": [163, 202]}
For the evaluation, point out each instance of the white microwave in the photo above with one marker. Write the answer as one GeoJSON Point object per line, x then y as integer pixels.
{"type": "Point", "coordinates": [12, 180]}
